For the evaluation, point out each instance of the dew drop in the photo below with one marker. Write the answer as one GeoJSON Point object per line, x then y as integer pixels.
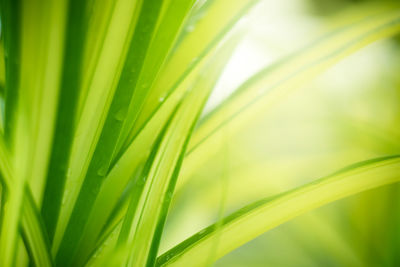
{"type": "Point", "coordinates": [168, 197]}
{"type": "Point", "coordinates": [190, 28]}
{"type": "Point", "coordinates": [66, 194]}
{"type": "Point", "coordinates": [102, 171]}
{"type": "Point", "coordinates": [120, 115]}
{"type": "Point", "coordinates": [194, 60]}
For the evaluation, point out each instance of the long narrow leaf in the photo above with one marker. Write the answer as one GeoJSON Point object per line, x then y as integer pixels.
{"type": "Point", "coordinates": [31, 226]}
{"type": "Point", "coordinates": [105, 148]}
{"type": "Point", "coordinates": [100, 92]}
{"type": "Point", "coordinates": [71, 81]}
{"type": "Point", "coordinates": [259, 217]}
{"type": "Point", "coordinates": [265, 88]}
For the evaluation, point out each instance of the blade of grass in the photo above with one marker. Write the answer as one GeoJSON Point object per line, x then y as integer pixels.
{"type": "Point", "coordinates": [11, 12]}
{"type": "Point", "coordinates": [66, 112]}
{"type": "Point", "coordinates": [148, 223]}
{"type": "Point", "coordinates": [127, 228]}
{"type": "Point", "coordinates": [120, 175]}
{"type": "Point", "coordinates": [144, 137]}
{"type": "Point", "coordinates": [172, 17]}
{"type": "Point", "coordinates": [99, 21]}
{"type": "Point", "coordinates": [141, 141]}
{"type": "Point", "coordinates": [101, 89]}
{"type": "Point", "coordinates": [211, 23]}
{"type": "Point", "coordinates": [34, 234]}
{"type": "Point", "coordinates": [265, 88]}
{"type": "Point", "coordinates": [31, 226]}
{"type": "Point", "coordinates": [5, 176]}
{"type": "Point", "coordinates": [332, 48]}
{"type": "Point", "coordinates": [10, 31]}
{"type": "Point", "coordinates": [261, 216]}
{"type": "Point", "coordinates": [105, 147]}
{"type": "Point", "coordinates": [137, 187]}
{"type": "Point", "coordinates": [42, 48]}
{"type": "Point", "coordinates": [2, 68]}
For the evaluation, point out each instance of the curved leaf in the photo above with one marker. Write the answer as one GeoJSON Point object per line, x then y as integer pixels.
{"type": "Point", "coordinates": [68, 100]}
{"type": "Point", "coordinates": [162, 167]}
{"type": "Point", "coordinates": [33, 231]}
{"type": "Point", "coordinates": [261, 216]}
{"type": "Point", "coordinates": [206, 27]}
{"type": "Point", "coordinates": [175, 78]}
{"type": "Point", "coordinates": [266, 87]}
{"type": "Point", "coordinates": [105, 147]}
{"type": "Point", "coordinates": [100, 92]}
{"type": "Point", "coordinates": [138, 148]}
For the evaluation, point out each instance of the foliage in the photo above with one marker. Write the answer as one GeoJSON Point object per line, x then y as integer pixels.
{"type": "Point", "coordinates": [103, 126]}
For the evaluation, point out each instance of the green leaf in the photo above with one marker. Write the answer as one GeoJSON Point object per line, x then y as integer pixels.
{"type": "Point", "coordinates": [148, 223]}
{"type": "Point", "coordinates": [11, 34]}
{"type": "Point", "coordinates": [174, 79]}
{"type": "Point", "coordinates": [128, 229]}
{"type": "Point", "coordinates": [105, 147]}
{"type": "Point", "coordinates": [68, 100]}
{"type": "Point", "coordinates": [99, 96]}
{"type": "Point", "coordinates": [167, 30]}
{"type": "Point", "coordinates": [9, 224]}
{"type": "Point", "coordinates": [43, 32]}
{"type": "Point", "coordinates": [268, 86]}
{"type": "Point", "coordinates": [99, 17]}
{"type": "Point", "coordinates": [124, 171]}
{"type": "Point", "coordinates": [35, 234]}
{"type": "Point", "coordinates": [31, 97]}
{"type": "Point", "coordinates": [2, 70]}
{"type": "Point", "coordinates": [137, 150]}
{"type": "Point", "coordinates": [261, 216]}
{"type": "Point", "coordinates": [204, 30]}
{"type": "Point", "coordinates": [33, 231]}
{"type": "Point", "coordinates": [164, 162]}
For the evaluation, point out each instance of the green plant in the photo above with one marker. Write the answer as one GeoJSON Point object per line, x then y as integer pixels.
{"type": "Point", "coordinates": [102, 108]}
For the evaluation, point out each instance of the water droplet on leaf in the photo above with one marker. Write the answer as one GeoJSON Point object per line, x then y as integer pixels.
{"type": "Point", "coordinates": [120, 115]}
{"type": "Point", "coordinates": [102, 171]}
{"type": "Point", "coordinates": [190, 28]}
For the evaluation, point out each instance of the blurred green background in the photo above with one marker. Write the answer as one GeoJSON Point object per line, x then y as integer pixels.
{"type": "Point", "coordinates": [349, 114]}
